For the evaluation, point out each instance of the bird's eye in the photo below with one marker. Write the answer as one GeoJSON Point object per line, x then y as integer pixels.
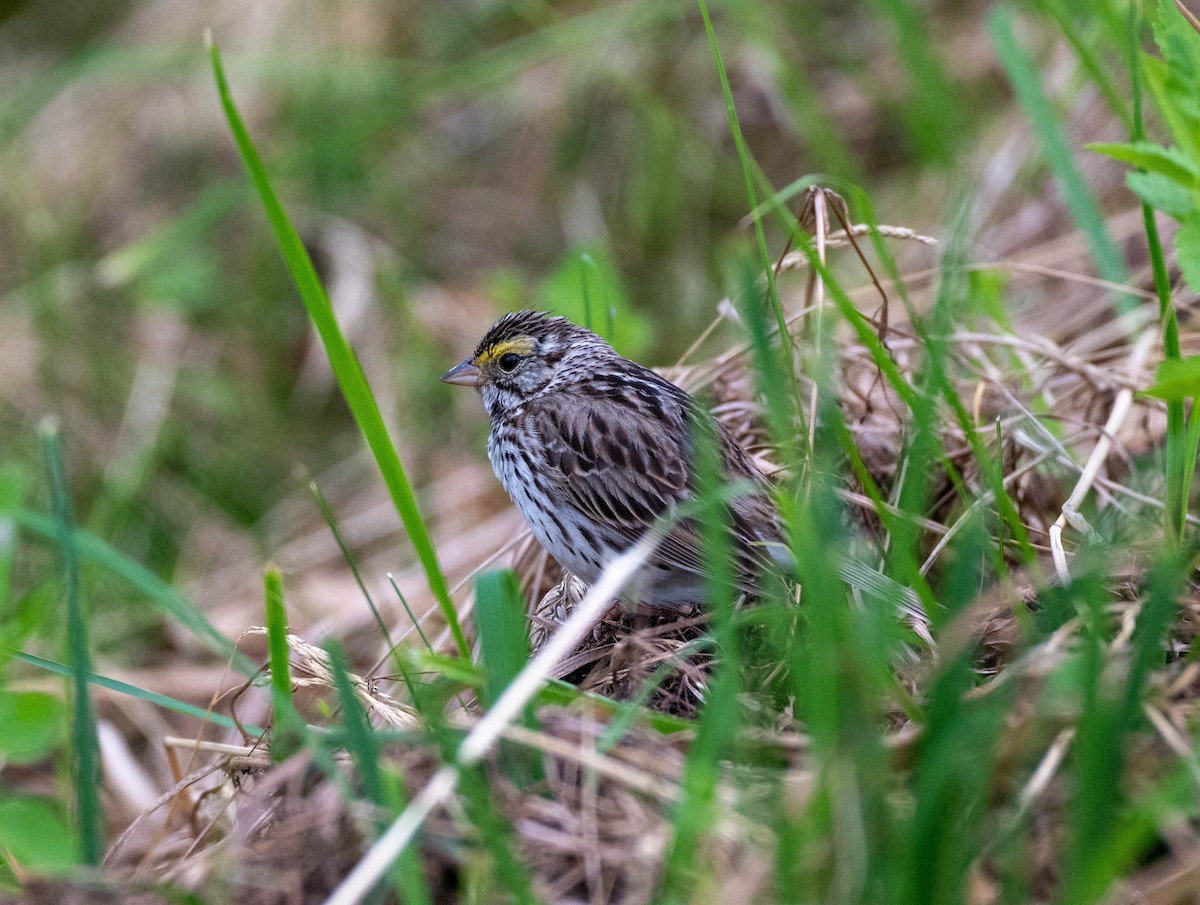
{"type": "Point", "coordinates": [509, 362]}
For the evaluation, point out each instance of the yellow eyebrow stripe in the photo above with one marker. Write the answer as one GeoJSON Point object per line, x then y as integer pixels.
{"type": "Point", "coordinates": [522, 345]}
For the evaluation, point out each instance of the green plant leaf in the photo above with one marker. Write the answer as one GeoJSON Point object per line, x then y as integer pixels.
{"type": "Point", "coordinates": [36, 834]}
{"type": "Point", "coordinates": [288, 729]}
{"type": "Point", "coordinates": [1176, 93]}
{"type": "Point", "coordinates": [12, 489]}
{"type": "Point", "coordinates": [1151, 157]}
{"type": "Point", "coordinates": [1177, 379]}
{"type": "Point", "coordinates": [1163, 193]}
{"type": "Point", "coordinates": [1187, 251]}
{"type": "Point", "coordinates": [31, 725]}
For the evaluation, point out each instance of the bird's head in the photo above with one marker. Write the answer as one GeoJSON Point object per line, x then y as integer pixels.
{"type": "Point", "coordinates": [522, 354]}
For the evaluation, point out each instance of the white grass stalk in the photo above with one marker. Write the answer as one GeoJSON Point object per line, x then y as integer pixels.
{"type": "Point", "coordinates": [1116, 418]}
{"type": "Point", "coordinates": [821, 220]}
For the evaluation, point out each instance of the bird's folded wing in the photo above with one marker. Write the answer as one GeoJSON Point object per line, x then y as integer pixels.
{"type": "Point", "coordinates": [622, 469]}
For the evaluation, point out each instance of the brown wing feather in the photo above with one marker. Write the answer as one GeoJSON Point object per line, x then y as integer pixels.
{"type": "Point", "coordinates": [610, 462]}
{"type": "Point", "coordinates": [623, 466]}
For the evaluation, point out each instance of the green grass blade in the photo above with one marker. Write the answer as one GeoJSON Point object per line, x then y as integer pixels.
{"type": "Point", "coordinates": [342, 359]}
{"type": "Point", "coordinates": [955, 758]}
{"type": "Point", "coordinates": [761, 25]}
{"type": "Point", "coordinates": [165, 598]}
{"type": "Point", "coordinates": [350, 560]}
{"type": "Point", "coordinates": [556, 692]}
{"type": "Point", "coordinates": [748, 173]}
{"type": "Point", "coordinates": [288, 727]}
{"type": "Point", "coordinates": [863, 330]}
{"type": "Point", "coordinates": [412, 617]}
{"type": "Point", "coordinates": [628, 711]}
{"type": "Point", "coordinates": [362, 743]}
{"type": "Point", "coordinates": [503, 639]}
{"type": "Point", "coordinates": [768, 368]}
{"type": "Point", "coordinates": [932, 111]}
{"type": "Point", "coordinates": [696, 812]}
{"type": "Point", "coordinates": [1089, 59]}
{"type": "Point", "coordinates": [1191, 445]}
{"type": "Point", "coordinates": [84, 742]}
{"type": "Point", "coordinates": [504, 646]}
{"type": "Point", "coordinates": [497, 836]}
{"type": "Point", "coordinates": [955, 287]}
{"type": "Point", "coordinates": [150, 697]}
{"type": "Point", "coordinates": [1151, 628]}
{"type": "Point", "coordinates": [923, 448]}
{"type": "Point", "coordinates": [1104, 841]}
{"type": "Point", "coordinates": [587, 268]}
{"type": "Point", "coordinates": [360, 739]}
{"type": "Point", "coordinates": [1022, 72]}
{"type": "Point", "coordinates": [12, 491]}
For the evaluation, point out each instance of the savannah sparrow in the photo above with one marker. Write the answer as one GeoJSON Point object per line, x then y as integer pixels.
{"type": "Point", "coordinates": [593, 448]}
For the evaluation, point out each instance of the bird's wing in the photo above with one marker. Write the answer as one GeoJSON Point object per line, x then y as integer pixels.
{"type": "Point", "coordinates": [624, 465]}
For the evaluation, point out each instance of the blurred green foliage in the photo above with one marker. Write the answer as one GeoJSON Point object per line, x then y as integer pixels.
{"type": "Point", "coordinates": [36, 834]}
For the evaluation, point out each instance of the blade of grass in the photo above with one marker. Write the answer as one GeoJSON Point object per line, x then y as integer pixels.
{"type": "Point", "coordinates": [932, 112]}
{"type": "Point", "coordinates": [1110, 833]}
{"type": "Point", "coordinates": [12, 491]}
{"type": "Point", "coordinates": [626, 712]}
{"type": "Point", "coordinates": [288, 728]}
{"type": "Point", "coordinates": [416, 623]}
{"type": "Point", "coordinates": [503, 641]}
{"type": "Point", "coordinates": [586, 267]}
{"type": "Point", "coordinates": [165, 598]}
{"type": "Point", "coordinates": [363, 746]}
{"type": "Point", "coordinates": [150, 697]}
{"type": "Point", "coordinates": [498, 837]}
{"type": "Point", "coordinates": [85, 772]}
{"type": "Point", "coordinates": [748, 170]}
{"type": "Point", "coordinates": [1104, 840]}
{"type": "Point", "coordinates": [349, 558]}
{"type": "Point", "coordinates": [556, 692]}
{"type": "Point", "coordinates": [922, 447]}
{"type": "Point", "coordinates": [803, 104]}
{"type": "Point", "coordinates": [696, 813]}
{"type": "Point", "coordinates": [360, 738]}
{"type": "Point", "coordinates": [1089, 59]}
{"type": "Point", "coordinates": [955, 758]}
{"type": "Point", "coordinates": [1022, 73]}
{"type": "Point", "coordinates": [768, 367]}
{"type": "Point", "coordinates": [953, 288]}
{"type": "Point", "coordinates": [839, 673]}
{"type": "Point", "coordinates": [342, 359]}
{"type": "Point", "coordinates": [504, 647]}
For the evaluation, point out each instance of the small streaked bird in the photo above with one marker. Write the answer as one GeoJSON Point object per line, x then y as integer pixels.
{"type": "Point", "coordinates": [593, 448]}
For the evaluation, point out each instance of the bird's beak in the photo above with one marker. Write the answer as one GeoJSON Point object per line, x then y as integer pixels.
{"type": "Point", "coordinates": [464, 374]}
